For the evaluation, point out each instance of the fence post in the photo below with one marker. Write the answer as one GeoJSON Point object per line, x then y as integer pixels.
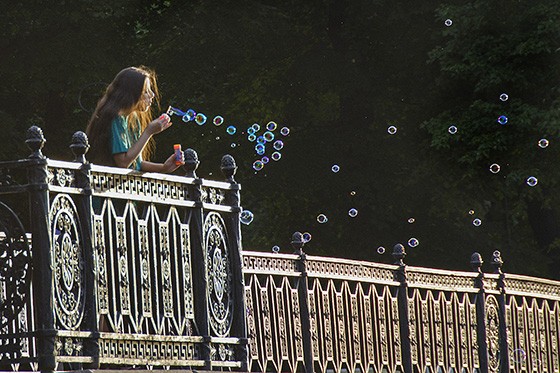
{"type": "Point", "coordinates": [41, 249]}
{"type": "Point", "coordinates": [233, 198]}
{"type": "Point", "coordinates": [297, 244]}
{"type": "Point", "coordinates": [198, 263]}
{"type": "Point", "coordinates": [497, 263]}
{"type": "Point", "coordinates": [402, 300]}
{"type": "Point", "coordinates": [79, 147]}
{"type": "Point", "coordinates": [480, 303]}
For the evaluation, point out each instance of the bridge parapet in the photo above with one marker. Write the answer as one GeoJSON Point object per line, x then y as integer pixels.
{"type": "Point", "coordinates": [129, 268]}
{"type": "Point", "coordinates": [375, 317]}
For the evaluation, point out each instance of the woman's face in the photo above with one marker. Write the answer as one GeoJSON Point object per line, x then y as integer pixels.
{"type": "Point", "coordinates": [147, 96]}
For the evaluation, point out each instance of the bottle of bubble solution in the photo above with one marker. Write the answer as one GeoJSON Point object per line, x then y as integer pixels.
{"type": "Point", "coordinates": [177, 149]}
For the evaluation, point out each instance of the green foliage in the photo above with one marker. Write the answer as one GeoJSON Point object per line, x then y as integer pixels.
{"type": "Point", "coordinates": [337, 73]}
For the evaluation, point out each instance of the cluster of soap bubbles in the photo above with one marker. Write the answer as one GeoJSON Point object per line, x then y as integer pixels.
{"type": "Point", "coordinates": [265, 141]}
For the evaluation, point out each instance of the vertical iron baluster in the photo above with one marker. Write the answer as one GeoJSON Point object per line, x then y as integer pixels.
{"type": "Point", "coordinates": [233, 227]}
{"type": "Point", "coordinates": [41, 248]}
{"type": "Point", "coordinates": [303, 288]}
{"type": "Point", "coordinates": [476, 263]}
{"type": "Point", "coordinates": [497, 263]}
{"type": "Point", "coordinates": [402, 298]}
{"type": "Point", "coordinates": [79, 147]}
{"type": "Point", "coordinates": [198, 260]}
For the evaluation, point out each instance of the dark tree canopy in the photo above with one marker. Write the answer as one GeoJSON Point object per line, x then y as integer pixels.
{"type": "Point", "coordinates": [338, 74]}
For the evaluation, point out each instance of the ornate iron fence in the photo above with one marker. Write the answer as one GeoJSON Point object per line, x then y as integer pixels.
{"type": "Point", "coordinates": [309, 313]}
{"type": "Point", "coordinates": [113, 280]}
{"type": "Point", "coordinates": [111, 267]}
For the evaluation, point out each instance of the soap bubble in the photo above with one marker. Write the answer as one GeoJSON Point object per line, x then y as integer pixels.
{"type": "Point", "coordinates": [260, 140]}
{"type": "Point", "coordinates": [502, 119]}
{"type": "Point", "coordinates": [251, 131]}
{"type": "Point", "coordinates": [543, 143]}
{"type": "Point", "coordinates": [335, 168]}
{"type": "Point", "coordinates": [411, 220]}
{"type": "Point", "coordinates": [322, 219]}
{"type": "Point", "coordinates": [494, 168]}
{"type": "Point", "coordinates": [260, 148]}
{"type": "Point", "coordinates": [185, 118]}
{"type": "Point", "coordinates": [353, 193]}
{"type": "Point", "coordinates": [477, 222]}
{"type": "Point", "coordinates": [256, 127]}
{"type": "Point", "coordinates": [268, 136]}
{"type": "Point", "coordinates": [276, 156]}
{"type": "Point", "coordinates": [246, 217]}
{"type": "Point", "coordinates": [265, 160]}
{"type": "Point", "coordinates": [278, 145]}
{"type": "Point", "coordinates": [251, 137]}
{"type": "Point", "coordinates": [471, 212]}
{"type": "Point", "coordinates": [271, 126]}
{"type": "Point", "coordinates": [258, 165]}
{"type": "Point", "coordinates": [413, 242]}
{"type": "Point", "coordinates": [218, 120]}
{"type": "Point", "coordinates": [352, 212]}
{"type": "Point", "coordinates": [381, 250]}
{"type": "Point", "coordinates": [448, 22]}
{"type": "Point", "coordinates": [189, 115]}
{"type": "Point", "coordinates": [392, 130]}
{"type": "Point", "coordinates": [504, 97]}
{"type": "Point", "coordinates": [452, 130]}
{"type": "Point", "coordinates": [276, 249]}
{"type": "Point", "coordinates": [233, 145]}
{"type": "Point", "coordinates": [519, 356]}
{"type": "Point", "coordinates": [285, 131]}
{"type": "Point", "coordinates": [307, 237]}
{"type": "Point", "coordinates": [532, 181]}
{"type": "Point", "coordinates": [231, 130]}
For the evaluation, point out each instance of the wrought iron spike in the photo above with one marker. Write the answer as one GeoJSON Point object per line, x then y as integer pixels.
{"type": "Point", "coordinates": [497, 261]}
{"type": "Point", "coordinates": [191, 162]}
{"type": "Point", "coordinates": [476, 262]}
{"type": "Point", "coordinates": [79, 146]}
{"type": "Point", "coordinates": [35, 141]}
{"type": "Point", "coordinates": [297, 241]}
{"type": "Point", "coordinates": [399, 253]}
{"type": "Point", "coordinates": [228, 167]}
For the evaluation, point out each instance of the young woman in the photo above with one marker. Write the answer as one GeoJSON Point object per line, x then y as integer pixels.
{"type": "Point", "coordinates": [120, 130]}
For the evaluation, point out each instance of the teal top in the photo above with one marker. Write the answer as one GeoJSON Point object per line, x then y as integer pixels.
{"type": "Point", "coordinates": [122, 138]}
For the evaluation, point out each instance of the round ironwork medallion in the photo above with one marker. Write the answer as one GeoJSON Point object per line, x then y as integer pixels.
{"type": "Point", "coordinates": [219, 275]}
{"type": "Point", "coordinates": [67, 262]}
{"type": "Point", "coordinates": [15, 265]}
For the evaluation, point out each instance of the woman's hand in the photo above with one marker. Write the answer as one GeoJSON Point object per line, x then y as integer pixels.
{"type": "Point", "coordinates": [159, 124]}
{"type": "Point", "coordinates": [171, 165]}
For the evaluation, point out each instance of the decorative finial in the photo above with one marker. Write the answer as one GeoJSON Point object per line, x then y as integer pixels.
{"type": "Point", "coordinates": [297, 242]}
{"type": "Point", "coordinates": [399, 253]}
{"type": "Point", "coordinates": [476, 262]}
{"type": "Point", "coordinates": [191, 162]}
{"type": "Point", "coordinates": [35, 141]}
{"type": "Point", "coordinates": [497, 261]}
{"type": "Point", "coordinates": [79, 146]}
{"type": "Point", "coordinates": [228, 167]}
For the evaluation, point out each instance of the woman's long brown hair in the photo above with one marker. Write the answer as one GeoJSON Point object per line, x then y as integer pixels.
{"type": "Point", "coordinates": [123, 95]}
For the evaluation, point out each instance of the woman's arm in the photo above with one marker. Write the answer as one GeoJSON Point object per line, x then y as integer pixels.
{"type": "Point", "coordinates": [169, 166]}
{"type": "Point", "coordinates": [125, 159]}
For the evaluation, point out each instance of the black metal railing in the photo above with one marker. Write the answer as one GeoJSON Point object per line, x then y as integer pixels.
{"type": "Point", "coordinates": [128, 268]}
{"type": "Point", "coordinates": [316, 314]}
{"type": "Point", "coordinates": [112, 268]}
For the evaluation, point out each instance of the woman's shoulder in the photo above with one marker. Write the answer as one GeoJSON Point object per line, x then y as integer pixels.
{"type": "Point", "coordinates": [119, 121]}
